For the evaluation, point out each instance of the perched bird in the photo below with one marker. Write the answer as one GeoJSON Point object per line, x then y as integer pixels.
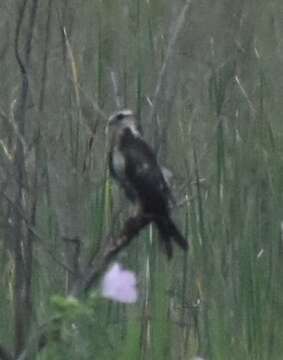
{"type": "Point", "coordinates": [134, 166]}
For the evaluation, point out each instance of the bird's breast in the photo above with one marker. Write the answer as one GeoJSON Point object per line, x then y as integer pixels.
{"type": "Point", "coordinates": [118, 163]}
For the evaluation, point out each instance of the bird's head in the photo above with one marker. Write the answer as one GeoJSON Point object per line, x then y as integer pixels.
{"type": "Point", "coordinates": [123, 119]}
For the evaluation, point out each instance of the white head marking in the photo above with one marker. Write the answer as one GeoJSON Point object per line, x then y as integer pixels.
{"type": "Point", "coordinates": [124, 119]}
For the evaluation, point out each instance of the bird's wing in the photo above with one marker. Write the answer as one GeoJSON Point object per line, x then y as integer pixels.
{"type": "Point", "coordinates": [144, 173]}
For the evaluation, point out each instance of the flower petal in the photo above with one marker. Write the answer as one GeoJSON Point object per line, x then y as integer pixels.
{"type": "Point", "coordinates": [119, 285]}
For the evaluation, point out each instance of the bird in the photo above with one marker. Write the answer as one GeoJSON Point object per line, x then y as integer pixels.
{"type": "Point", "coordinates": [134, 166]}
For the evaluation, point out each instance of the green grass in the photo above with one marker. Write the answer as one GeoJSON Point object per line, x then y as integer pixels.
{"type": "Point", "coordinates": [220, 104]}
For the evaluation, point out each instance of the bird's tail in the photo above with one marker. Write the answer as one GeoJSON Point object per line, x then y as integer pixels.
{"type": "Point", "coordinates": [168, 230]}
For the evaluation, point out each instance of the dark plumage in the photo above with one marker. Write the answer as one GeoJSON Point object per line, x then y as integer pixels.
{"type": "Point", "coordinates": [133, 164]}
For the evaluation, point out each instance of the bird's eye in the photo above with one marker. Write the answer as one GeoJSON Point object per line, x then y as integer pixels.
{"type": "Point", "coordinates": [120, 116]}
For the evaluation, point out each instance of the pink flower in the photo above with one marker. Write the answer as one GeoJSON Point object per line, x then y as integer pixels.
{"type": "Point", "coordinates": [119, 285]}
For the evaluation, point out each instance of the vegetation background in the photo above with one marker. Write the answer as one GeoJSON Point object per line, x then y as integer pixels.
{"type": "Point", "coordinates": [205, 79]}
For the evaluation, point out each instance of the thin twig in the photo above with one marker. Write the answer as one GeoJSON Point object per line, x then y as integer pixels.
{"type": "Point", "coordinates": [35, 233]}
{"type": "Point", "coordinates": [75, 76]}
{"type": "Point", "coordinates": [115, 89]}
{"type": "Point", "coordinates": [94, 104]}
{"type": "Point", "coordinates": [170, 50]}
{"type": "Point", "coordinates": [76, 84]}
{"type": "Point", "coordinates": [245, 94]}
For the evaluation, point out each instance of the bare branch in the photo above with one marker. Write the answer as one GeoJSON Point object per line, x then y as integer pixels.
{"type": "Point", "coordinates": [91, 275]}
{"type": "Point", "coordinates": [132, 227]}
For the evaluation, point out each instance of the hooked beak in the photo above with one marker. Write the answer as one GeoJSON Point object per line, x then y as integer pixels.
{"type": "Point", "coordinates": [111, 119]}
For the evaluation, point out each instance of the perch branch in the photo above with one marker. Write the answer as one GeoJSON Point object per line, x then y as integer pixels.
{"type": "Point", "coordinates": [91, 275]}
{"type": "Point", "coordinates": [112, 247]}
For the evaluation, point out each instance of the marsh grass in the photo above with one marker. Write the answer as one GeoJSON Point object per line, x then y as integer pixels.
{"type": "Point", "coordinates": [223, 141]}
{"type": "Point", "coordinates": [223, 299]}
